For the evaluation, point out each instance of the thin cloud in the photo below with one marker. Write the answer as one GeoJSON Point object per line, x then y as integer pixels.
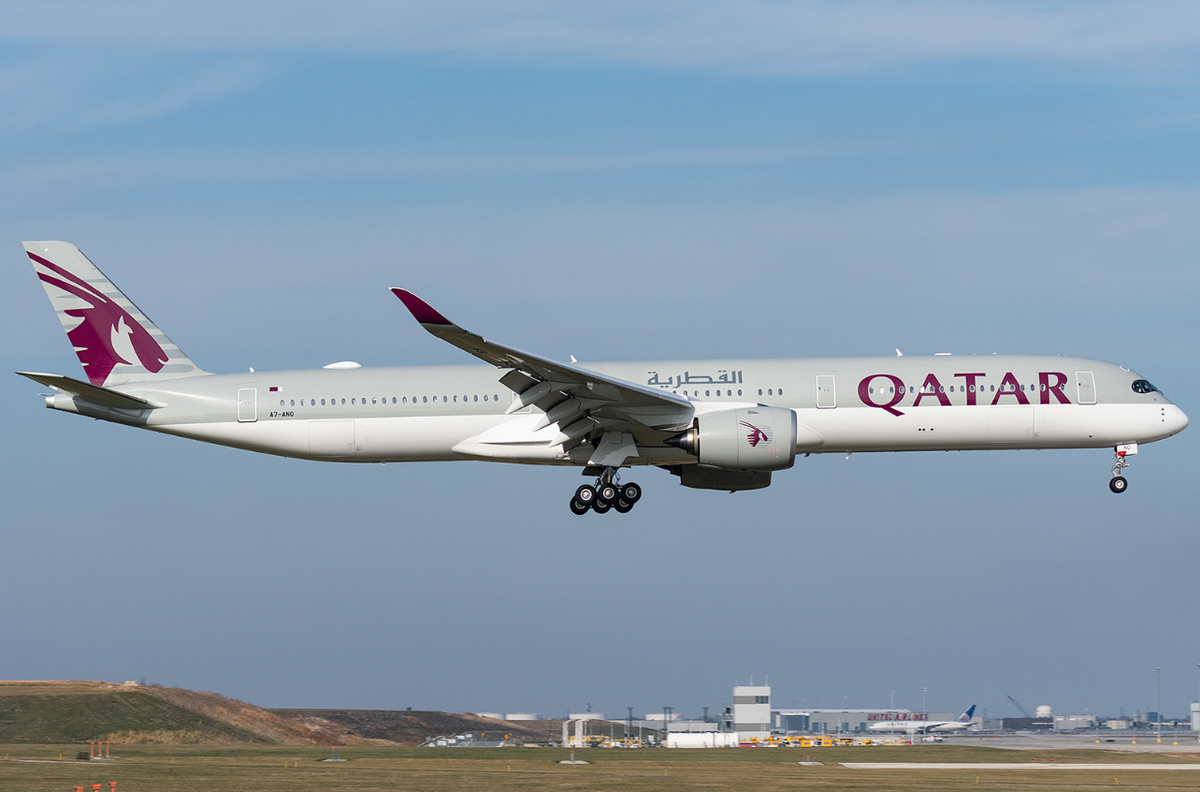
{"type": "Point", "coordinates": [70, 94]}
{"type": "Point", "coordinates": [758, 37]}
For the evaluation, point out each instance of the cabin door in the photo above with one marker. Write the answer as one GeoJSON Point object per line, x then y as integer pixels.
{"type": "Point", "coordinates": [247, 405]}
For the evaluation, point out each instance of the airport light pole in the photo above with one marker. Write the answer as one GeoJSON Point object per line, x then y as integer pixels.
{"type": "Point", "coordinates": [924, 711]}
{"type": "Point", "coordinates": [1158, 715]}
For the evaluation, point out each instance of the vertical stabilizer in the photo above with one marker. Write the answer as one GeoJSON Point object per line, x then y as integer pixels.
{"type": "Point", "coordinates": [116, 343]}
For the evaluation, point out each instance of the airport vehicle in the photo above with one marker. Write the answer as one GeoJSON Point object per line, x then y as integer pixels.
{"type": "Point", "coordinates": [717, 424]}
{"type": "Point", "coordinates": [926, 727]}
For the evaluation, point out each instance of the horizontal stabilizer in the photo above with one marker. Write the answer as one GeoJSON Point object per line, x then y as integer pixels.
{"type": "Point", "coordinates": [92, 393]}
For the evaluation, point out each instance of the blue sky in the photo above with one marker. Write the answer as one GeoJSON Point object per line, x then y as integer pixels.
{"type": "Point", "coordinates": [685, 180]}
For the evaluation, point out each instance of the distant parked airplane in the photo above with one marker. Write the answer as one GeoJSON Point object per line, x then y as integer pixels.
{"type": "Point", "coordinates": [718, 424]}
{"type": "Point", "coordinates": [925, 726]}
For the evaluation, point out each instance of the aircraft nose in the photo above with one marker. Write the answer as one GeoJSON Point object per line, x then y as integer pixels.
{"type": "Point", "coordinates": [1180, 419]}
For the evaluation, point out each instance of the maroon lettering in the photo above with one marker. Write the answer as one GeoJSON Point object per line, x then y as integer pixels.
{"type": "Point", "coordinates": [931, 387]}
{"type": "Point", "coordinates": [969, 387]}
{"type": "Point", "coordinates": [1010, 387]}
{"type": "Point", "coordinates": [897, 394]}
{"type": "Point", "coordinates": [1056, 388]}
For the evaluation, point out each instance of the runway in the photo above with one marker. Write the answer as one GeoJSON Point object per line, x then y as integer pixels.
{"type": "Point", "coordinates": [1184, 743]}
{"type": "Point", "coordinates": [1010, 766]}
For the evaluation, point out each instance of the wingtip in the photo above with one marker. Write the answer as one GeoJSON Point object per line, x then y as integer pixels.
{"type": "Point", "coordinates": [422, 311]}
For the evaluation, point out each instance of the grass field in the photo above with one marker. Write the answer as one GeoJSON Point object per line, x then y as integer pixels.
{"type": "Point", "coordinates": [30, 768]}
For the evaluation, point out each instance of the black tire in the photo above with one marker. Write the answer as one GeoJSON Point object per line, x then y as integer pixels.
{"type": "Point", "coordinates": [1118, 484]}
{"type": "Point", "coordinates": [607, 493]}
{"type": "Point", "coordinates": [579, 508]}
{"type": "Point", "coordinates": [600, 507]}
{"type": "Point", "coordinates": [585, 495]}
{"type": "Point", "coordinates": [623, 506]}
{"type": "Point", "coordinates": [632, 493]}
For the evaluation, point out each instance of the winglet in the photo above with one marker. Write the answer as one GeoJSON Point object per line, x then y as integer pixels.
{"type": "Point", "coordinates": [422, 311]}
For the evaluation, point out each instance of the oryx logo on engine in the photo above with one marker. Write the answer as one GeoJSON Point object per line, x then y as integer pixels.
{"type": "Point", "coordinates": [756, 435]}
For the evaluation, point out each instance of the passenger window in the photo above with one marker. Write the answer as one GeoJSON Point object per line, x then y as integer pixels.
{"type": "Point", "coordinates": [770, 392]}
{"type": "Point", "coordinates": [759, 392]}
{"type": "Point", "coordinates": [477, 397]}
{"type": "Point", "coordinates": [739, 391]}
{"type": "Point", "coordinates": [293, 402]}
{"type": "Point", "coordinates": [424, 399]}
{"type": "Point", "coordinates": [485, 397]}
{"type": "Point", "coordinates": [706, 393]}
{"type": "Point", "coordinates": [781, 391]}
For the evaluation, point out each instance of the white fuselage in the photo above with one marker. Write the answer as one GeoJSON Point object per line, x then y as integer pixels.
{"type": "Point", "coordinates": [431, 413]}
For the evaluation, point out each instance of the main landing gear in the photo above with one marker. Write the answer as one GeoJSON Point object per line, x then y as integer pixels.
{"type": "Point", "coordinates": [607, 494]}
{"type": "Point", "coordinates": [1118, 484]}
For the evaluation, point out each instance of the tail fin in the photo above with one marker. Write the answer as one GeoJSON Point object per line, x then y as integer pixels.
{"type": "Point", "coordinates": [116, 343]}
{"type": "Point", "coordinates": [966, 716]}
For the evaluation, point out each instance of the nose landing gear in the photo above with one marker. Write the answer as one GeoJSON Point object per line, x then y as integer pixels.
{"type": "Point", "coordinates": [1118, 484]}
{"type": "Point", "coordinates": [607, 494]}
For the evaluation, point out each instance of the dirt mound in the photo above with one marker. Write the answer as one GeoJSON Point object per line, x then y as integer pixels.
{"type": "Point", "coordinates": [405, 727]}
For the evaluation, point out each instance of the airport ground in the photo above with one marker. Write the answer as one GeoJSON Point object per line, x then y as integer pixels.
{"type": "Point", "coordinates": [260, 768]}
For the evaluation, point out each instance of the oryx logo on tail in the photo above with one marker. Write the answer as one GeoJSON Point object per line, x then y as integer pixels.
{"type": "Point", "coordinates": [106, 335]}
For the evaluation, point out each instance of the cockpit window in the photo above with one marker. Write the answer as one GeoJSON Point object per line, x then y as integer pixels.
{"type": "Point", "coordinates": [1143, 386]}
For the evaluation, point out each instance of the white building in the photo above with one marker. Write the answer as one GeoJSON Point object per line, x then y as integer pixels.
{"type": "Point", "coordinates": [750, 713]}
{"type": "Point", "coordinates": [1073, 722]}
{"type": "Point", "coordinates": [1196, 717]}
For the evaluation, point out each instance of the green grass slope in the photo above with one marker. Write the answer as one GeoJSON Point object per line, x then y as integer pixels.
{"type": "Point", "coordinates": [125, 716]}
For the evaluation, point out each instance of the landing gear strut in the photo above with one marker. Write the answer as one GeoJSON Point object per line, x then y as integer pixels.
{"type": "Point", "coordinates": [1118, 484]}
{"type": "Point", "coordinates": [606, 494]}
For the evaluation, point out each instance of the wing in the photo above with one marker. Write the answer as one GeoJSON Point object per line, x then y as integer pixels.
{"type": "Point", "coordinates": [613, 415]}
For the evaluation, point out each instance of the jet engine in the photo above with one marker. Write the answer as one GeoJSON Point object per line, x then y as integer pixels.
{"type": "Point", "coordinates": [744, 439]}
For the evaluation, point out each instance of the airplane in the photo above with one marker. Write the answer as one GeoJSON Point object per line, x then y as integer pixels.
{"type": "Point", "coordinates": [714, 424]}
{"type": "Point", "coordinates": [925, 726]}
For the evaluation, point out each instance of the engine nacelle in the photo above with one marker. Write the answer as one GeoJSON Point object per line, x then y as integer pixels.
{"type": "Point", "coordinates": [745, 439]}
{"type": "Point", "coordinates": [698, 477]}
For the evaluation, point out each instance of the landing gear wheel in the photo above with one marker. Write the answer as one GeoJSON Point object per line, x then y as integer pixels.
{"type": "Point", "coordinates": [579, 508]}
{"type": "Point", "coordinates": [601, 507]}
{"type": "Point", "coordinates": [623, 506]}
{"type": "Point", "coordinates": [585, 495]}
{"type": "Point", "coordinates": [631, 493]}
{"type": "Point", "coordinates": [607, 493]}
{"type": "Point", "coordinates": [1118, 484]}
